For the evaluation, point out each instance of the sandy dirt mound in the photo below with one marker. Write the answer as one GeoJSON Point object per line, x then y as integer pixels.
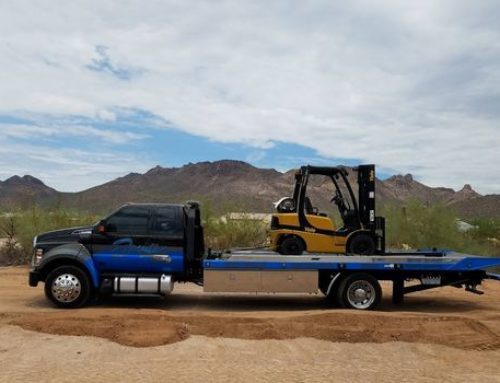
{"type": "Point", "coordinates": [153, 329]}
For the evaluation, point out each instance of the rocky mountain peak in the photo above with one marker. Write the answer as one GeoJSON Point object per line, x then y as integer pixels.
{"type": "Point", "coordinates": [401, 180]}
{"type": "Point", "coordinates": [408, 177]}
{"type": "Point", "coordinates": [467, 187]}
{"type": "Point", "coordinates": [26, 180]}
{"type": "Point", "coordinates": [220, 168]}
{"type": "Point", "coordinates": [157, 169]}
{"type": "Point", "coordinates": [12, 180]}
{"type": "Point", "coordinates": [229, 166]}
{"type": "Point", "coordinates": [468, 192]}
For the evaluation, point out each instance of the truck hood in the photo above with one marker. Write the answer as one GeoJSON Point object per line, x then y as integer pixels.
{"type": "Point", "coordinates": [64, 235]}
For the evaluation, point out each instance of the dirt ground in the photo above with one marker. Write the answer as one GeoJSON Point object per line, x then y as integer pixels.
{"type": "Point", "coordinates": [441, 335]}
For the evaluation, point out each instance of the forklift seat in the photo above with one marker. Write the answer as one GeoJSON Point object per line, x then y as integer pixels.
{"type": "Point", "coordinates": [309, 208]}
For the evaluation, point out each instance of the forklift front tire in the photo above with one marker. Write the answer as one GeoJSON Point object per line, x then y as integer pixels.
{"type": "Point", "coordinates": [362, 244]}
{"type": "Point", "coordinates": [291, 246]}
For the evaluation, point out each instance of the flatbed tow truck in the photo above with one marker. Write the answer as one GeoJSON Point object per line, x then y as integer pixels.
{"type": "Point", "coordinates": [143, 249]}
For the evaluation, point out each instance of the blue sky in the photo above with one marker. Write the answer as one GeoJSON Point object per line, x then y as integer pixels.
{"type": "Point", "coordinates": [94, 90]}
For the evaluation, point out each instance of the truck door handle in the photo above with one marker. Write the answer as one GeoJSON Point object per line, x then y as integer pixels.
{"type": "Point", "coordinates": [165, 258]}
{"type": "Point", "coordinates": [123, 242]}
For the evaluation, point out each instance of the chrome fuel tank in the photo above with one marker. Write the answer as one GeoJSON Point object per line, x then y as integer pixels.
{"type": "Point", "coordinates": [143, 285]}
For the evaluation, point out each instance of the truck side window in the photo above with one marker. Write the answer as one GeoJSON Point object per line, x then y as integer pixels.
{"type": "Point", "coordinates": [167, 221]}
{"type": "Point", "coordinates": [129, 220]}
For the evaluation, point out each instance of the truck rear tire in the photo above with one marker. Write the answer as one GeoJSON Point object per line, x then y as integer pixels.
{"type": "Point", "coordinates": [359, 291]}
{"type": "Point", "coordinates": [291, 246]}
{"type": "Point", "coordinates": [68, 287]}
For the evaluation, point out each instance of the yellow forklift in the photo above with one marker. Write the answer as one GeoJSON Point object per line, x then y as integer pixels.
{"type": "Point", "coordinates": [298, 226]}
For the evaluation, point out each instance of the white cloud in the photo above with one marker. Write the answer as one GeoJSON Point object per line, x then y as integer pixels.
{"type": "Point", "coordinates": [106, 115]}
{"type": "Point", "coordinates": [69, 169]}
{"type": "Point", "coordinates": [410, 86]}
{"type": "Point", "coordinates": [25, 131]}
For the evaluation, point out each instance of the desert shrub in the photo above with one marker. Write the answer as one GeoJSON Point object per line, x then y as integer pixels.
{"type": "Point", "coordinates": [222, 233]}
{"type": "Point", "coordinates": [418, 226]}
{"type": "Point", "coordinates": [11, 252]}
{"type": "Point", "coordinates": [485, 228]}
{"type": "Point", "coordinates": [35, 221]}
{"type": "Point", "coordinates": [30, 222]}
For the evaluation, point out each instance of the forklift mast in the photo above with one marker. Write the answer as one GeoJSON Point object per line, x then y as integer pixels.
{"type": "Point", "coordinates": [366, 201]}
{"type": "Point", "coordinates": [366, 195]}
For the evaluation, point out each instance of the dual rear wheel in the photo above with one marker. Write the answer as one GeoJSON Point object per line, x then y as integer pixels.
{"type": "Point", "coordinates": [359, 291]}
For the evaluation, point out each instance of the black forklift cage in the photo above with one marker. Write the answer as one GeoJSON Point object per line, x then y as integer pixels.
{"type": "Point", "coordinates": [301, 190]}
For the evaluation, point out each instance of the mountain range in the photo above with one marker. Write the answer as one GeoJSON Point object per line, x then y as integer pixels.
{"type": "Point", "coordinates": [232, 184]}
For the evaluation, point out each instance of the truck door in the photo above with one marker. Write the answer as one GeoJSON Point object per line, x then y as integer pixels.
{"type": "Point", "coordinates": [167, 238]}
{"type": "Point", "coordinates": [129, 245]}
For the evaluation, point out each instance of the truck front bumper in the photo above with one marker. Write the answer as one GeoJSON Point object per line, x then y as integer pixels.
{"type": "Point", "coordinates": [34, 278]}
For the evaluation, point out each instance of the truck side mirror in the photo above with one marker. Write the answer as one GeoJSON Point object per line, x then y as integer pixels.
{"type": "Point", "coordinates": [101, 228]}
{"type": "Point", "coordinates": [85, 236]}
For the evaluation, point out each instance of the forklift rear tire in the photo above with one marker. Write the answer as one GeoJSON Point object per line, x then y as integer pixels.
{"type": "Point", "coordinates": [291, 246]}
{"type": "Point", "coordinates": [362, 244]}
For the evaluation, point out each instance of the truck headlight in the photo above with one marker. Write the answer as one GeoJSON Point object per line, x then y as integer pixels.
{"type": "Point", "coordinates": [37, 256]}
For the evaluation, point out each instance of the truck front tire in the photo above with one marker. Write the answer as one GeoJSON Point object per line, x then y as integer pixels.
{"type": "Point", "coordinates": [68, 287]}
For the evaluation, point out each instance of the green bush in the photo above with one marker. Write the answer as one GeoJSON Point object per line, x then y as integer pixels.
{"type": "Point", "coordinates": [418, 226]}
{"type": "Point", "coordinates": [222, 233]}
{"type": "Point", "coordinates": [486, 228]}
{"type": "Point", "coordinates": [28, 223]}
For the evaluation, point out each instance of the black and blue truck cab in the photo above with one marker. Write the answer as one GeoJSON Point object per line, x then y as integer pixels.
{"type": "Point", "coordinates": [140, 248]}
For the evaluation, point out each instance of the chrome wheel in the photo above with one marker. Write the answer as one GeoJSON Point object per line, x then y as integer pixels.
{"type": "Point", "coordinates": [361, 294]}
{"type": "Point", "coordinates": [66, 288]}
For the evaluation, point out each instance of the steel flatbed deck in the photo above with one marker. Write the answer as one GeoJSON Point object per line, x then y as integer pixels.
{"type": "Point", "coordinates": [411, 261]}
{"type": "Point", "coordinates": [346, 280]}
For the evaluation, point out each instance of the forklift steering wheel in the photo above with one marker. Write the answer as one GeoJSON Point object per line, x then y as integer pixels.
{"type": "Point", "coordinates": [337, 199]}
